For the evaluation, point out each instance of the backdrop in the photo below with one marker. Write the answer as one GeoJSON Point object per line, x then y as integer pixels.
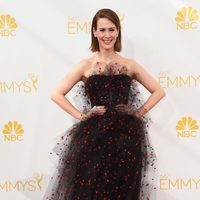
{"type": "Point", "coordinates": [40, 41]}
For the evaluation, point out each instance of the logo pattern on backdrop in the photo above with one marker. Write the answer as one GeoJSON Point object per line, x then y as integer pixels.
{"type": "Point", "coordinates": [187, 18]}
{"type": "Point", "coordinates": [8, 26]}
{"type": "Point", "coordinates": [13, 131]}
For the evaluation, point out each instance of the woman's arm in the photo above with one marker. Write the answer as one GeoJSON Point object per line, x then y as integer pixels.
{"type": "Point", "coordinates": [143, 77]}
{"type": "Point", "coordinates": [65, 85]}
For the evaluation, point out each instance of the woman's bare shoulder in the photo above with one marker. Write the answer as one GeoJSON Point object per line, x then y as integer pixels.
{"type": "Point", "coordinates": [83, 63]}
{"type": "Point", "coordinates": [129, 63]}
{"type": "Point", "coordinates": [134, 66]}
{"type": "Point", "coordinates": [85, 66]}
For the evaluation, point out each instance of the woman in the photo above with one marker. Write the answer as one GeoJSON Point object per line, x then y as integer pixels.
{"type": "Point", "coordinates": [107, 154]}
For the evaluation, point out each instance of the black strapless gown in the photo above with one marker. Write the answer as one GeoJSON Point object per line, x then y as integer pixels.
{"type": "Point", "coordinates": [105, 157]}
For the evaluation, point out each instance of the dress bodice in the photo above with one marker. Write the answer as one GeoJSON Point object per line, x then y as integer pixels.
{"type": "Point", "coordinates": [108, 90]}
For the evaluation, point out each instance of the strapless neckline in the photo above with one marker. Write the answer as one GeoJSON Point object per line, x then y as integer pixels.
{"type": "Point", "coordinates": [107, 75]}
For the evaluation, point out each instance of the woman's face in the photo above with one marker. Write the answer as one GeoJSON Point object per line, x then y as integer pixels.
{"type": "Point", "coordinates": [106, 33]}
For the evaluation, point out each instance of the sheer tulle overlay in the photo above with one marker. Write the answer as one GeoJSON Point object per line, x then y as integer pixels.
{"type": "Point", "coordinates": [109, 156]}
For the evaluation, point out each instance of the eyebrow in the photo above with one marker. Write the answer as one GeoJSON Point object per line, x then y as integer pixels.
{"type": "Point", "coordinates": [109, 27]}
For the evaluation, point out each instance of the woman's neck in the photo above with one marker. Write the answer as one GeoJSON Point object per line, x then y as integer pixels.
{"type": "Point", "coordinates": [107, 56]}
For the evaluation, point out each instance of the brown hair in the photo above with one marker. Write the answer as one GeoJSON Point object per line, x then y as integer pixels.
{"type": "Point", "coordinates": [112, 16]}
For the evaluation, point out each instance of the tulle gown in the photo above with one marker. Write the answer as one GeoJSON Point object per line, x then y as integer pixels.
{"type": "Point", "coordinates": [109, 156]}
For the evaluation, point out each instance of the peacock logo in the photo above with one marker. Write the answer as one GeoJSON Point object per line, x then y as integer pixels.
{"type": "Point", "coordinates": [8, 25]}
{"type": "Point", "coordinates": [13, 131]}
{"type": "Point", "coordinates": [187, 127]}
{"type": "Point", "coordinates": [187, 18]}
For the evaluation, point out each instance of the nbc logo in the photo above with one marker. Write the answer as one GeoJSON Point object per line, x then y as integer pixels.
{"type": "Point", "coordinates": [13, 131]}
{"type": "Point", "coordinates": [186, 127]}
{"type": "Point", "coordinates": [187, 18]}
{"type": "Point", "coordinates": [7, 25]}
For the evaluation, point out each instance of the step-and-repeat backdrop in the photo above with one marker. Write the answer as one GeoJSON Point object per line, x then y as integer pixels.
{"type": "Point", "coordinates": [40, 41]}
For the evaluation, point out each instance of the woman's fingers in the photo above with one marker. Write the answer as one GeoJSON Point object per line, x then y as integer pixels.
{"type": "Point", "coordinates": [122, 107]}
{"type": "Point", "coordinates": [101, 109]}
{"type": "Point", "coordinates": [100, 106]}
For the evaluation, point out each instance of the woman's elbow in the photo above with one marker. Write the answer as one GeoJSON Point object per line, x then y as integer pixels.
{"type": "Point", "coordinates": [53, 97]}
{"type": "Point", "coordinates": [162, 92]}
{"type": "Point", "coordinates": [56, 96]}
